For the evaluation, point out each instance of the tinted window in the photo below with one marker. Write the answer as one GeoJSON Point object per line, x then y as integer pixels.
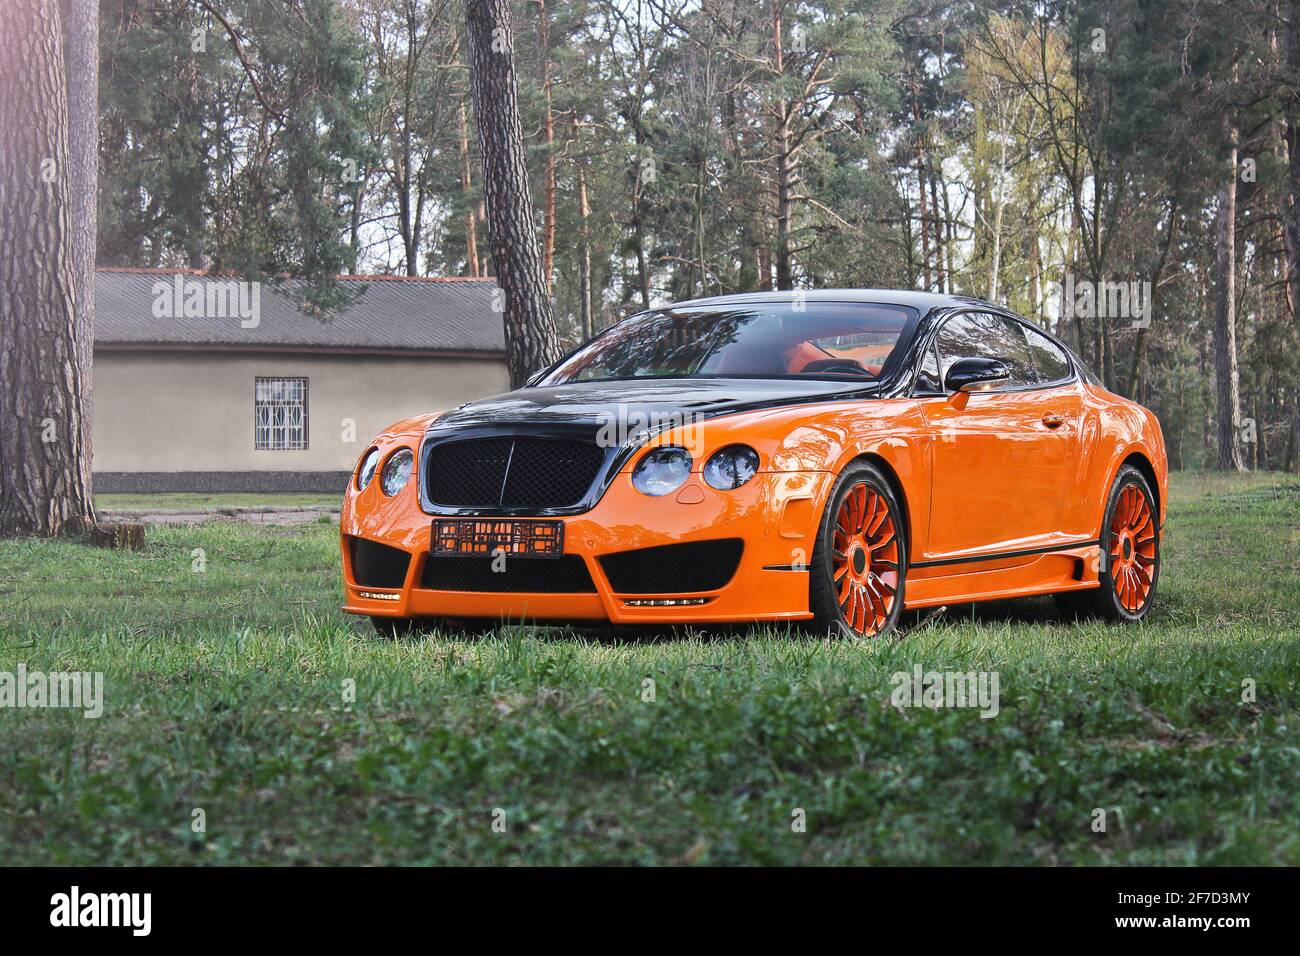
{"type": "Point", "coordinates": [986, 336]}
{"type": "Point", "coordinates": [1049, 359]}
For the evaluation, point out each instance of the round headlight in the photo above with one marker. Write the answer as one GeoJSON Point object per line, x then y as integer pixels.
{"type": "Point", "coordinates": [661, 471]}
{"type": "Point", "coordinates": [367, 470]}
{"type": "Point", "coordinates": [396, 471]}
{"type": "Point", "coordinates": [731, 467]}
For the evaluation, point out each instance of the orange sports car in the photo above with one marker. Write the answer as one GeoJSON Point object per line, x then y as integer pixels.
{"type": "Point", "coordinates": [830, 458]}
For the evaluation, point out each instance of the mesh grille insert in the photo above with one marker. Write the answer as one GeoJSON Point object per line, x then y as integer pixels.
{"type": "Point", "coordinates": [551, 473]}
{"type": "Point", "coordinates": [466, 473]}
{"type": "Point", "coordinates": [674, 568]}
{"type": "Point", "coordinates": [513, 472]}
{"type": "Point", "coordinates": [564, 575]}
{"type": "Point", "coordinates": [376, 565]}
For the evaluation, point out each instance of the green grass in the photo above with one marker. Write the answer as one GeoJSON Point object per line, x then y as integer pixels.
{"type": "Point", "coordinates": [225, 692]}
{"type": "Point", "coordinates": [188, 500]}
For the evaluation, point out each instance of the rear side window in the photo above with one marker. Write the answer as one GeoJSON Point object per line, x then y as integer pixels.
{"type": "Point", "coordinates": [1049, 358]}
{"type": "Point", "coordinates": [979, 335]}
{"type": "Point", "coordinates": [927, 376]}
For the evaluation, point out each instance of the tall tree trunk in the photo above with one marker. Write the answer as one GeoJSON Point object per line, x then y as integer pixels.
{"type": "Point", "coordinates": [584, 250]}
{"type": "Point", "coordinates": [639, 178]}
{"type": "Point", "coordinates": [701, 271]}
{"type": "Point", "coordinates": [1225, 316]}
{"type": "Point", "coordinates": [784, 170]}
{"type": "Point", "coordinates": [1293, 440]}
{"type": "Point", "coordinates": [1072, 264]}
{"type": "Point", "coordinates": [642, 264]}
{"type": "Point", "coordinates": [1257, 446]}
{"type": "Point", "coordinates": [44, 353]}
{"type": "Point", "coordinates": [466, 189]}
{"type": "Point", "coordinates": [81, 35]}
{"type": "Point", "coordinates": [354, 224]}
{"type": "Point", "coordinates": [939, 245]}
{"type": "Point", "coordinates": [1291, 204]}
{"type": "Point", "coordinates": [404, 212]}
{"type": "Point", "coordinates": [1034, 249]}
{"type": "Point", "coordinates": [1109, 371]}
{"type": "Point", "coordinates": [950, 239]}
{"type": "Point", "coordinates": [548, 138]}
{"type": "Point", "coordinates": [531, 341]}
{"type": "Point", "coordinates": [921, 161]}
{"type": "Point", "coordinates": [999, 207]}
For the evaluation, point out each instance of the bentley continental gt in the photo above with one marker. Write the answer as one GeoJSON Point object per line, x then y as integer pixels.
{"type": "Point", "coordinates": [827, 458]}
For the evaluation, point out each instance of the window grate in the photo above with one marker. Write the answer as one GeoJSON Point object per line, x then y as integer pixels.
{"type": "Point", "coordinates": [280, 414]}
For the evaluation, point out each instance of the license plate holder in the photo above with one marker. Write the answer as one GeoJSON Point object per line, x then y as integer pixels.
{"type": "Point", "coordinates": [480, 537]}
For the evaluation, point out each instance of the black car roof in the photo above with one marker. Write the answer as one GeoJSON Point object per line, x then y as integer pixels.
{"type": "Point", "coordinates": [922, 301]}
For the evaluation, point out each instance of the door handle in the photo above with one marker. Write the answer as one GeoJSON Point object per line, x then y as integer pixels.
{"type": "Point", "coordinates": [1053, 420]}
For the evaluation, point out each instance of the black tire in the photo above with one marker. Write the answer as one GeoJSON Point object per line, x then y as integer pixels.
{"type": "Point", "coordinates": [468, 628]}
{"type": "Point", "coordinates": [1125, 554]}
{"type": "Point", "coordinates": [395, 627]}
{"type": "Point", "coordinates": [883, 566]}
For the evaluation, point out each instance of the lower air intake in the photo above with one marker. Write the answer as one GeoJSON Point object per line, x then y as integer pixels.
{"type": "Point", "coordinates": [674, 568]}
{"type": "Point", "coordinates": [564, 575]}
{"type": "Point", "coordinates": [376, 565]}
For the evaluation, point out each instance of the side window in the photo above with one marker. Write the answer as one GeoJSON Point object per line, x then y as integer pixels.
{"type": "Point", "coordinates": [979, 335]}
{"type": "Point", "coordinates": [928, 381]}
{"type": "Point", "coordinates": [1049, 359]}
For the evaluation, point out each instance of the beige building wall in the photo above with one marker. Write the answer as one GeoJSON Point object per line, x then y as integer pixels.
{"type": "Point", "coordinates": [173, 411]}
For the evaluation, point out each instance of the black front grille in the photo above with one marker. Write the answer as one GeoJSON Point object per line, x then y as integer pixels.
{"type": "Point", "coordinates": [674, 568]}
{"type": "Point", "coordinates": [467, 473]}
{"type": "Point", "coordinates": [563, 575]}
{"type": "Point", "coordinates": [551, 474]}
{"type": "Point", "coordinates": [376, 565]}
{"type": "Point", "coordinates": [513, 472]}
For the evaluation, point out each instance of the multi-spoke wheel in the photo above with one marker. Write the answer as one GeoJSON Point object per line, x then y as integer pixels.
{"type": "Point", "coordinates": [1130, 546]}
{"type": "Point", "coordinates": [859, 565]}
{"type": "Point", "coordinates": [1132, 549]}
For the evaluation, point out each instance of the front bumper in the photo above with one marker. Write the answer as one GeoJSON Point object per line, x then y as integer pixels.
{"type": "Point", "coordinates": [775, 515]}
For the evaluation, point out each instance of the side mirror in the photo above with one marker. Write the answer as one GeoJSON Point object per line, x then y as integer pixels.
{"type": "Point", "coordinates": [975, 374]}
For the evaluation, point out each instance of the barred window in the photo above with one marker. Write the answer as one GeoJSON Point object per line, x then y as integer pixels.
{"type": "Point", "coordinates": [280, 414]}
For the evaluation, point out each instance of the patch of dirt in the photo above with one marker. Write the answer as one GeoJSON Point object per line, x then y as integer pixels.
{"type": "Point", "coordinates": [289, 516]}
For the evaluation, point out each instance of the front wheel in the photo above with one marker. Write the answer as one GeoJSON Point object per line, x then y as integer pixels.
{"type": "Point", "coordinates": [395, 627]}
{"type": "Point", "coordinates": [859, 564]}
{"type": "Point", "coordinates": [1130, 554]}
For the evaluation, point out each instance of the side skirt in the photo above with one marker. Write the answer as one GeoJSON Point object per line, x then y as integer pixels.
{"type": "Point", "coordinates": [932, 583]}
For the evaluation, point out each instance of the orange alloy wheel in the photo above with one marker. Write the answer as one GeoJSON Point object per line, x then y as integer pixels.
{"type": "Point", "coordinates": [1132, 548]}
{"type": "Point", "coordinates": [864, 559]}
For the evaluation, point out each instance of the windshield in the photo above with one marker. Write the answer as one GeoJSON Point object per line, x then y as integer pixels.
{"type": "Point", "coordinates": [838, 340]}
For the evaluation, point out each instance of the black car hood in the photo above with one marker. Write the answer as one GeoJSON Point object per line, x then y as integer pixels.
{"type": "Point", "coordinates": [649, 399]}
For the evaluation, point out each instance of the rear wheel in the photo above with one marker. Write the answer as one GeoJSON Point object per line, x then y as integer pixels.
{"type": "Point", "coordinates": [1130, 555]}
{"type": "Point", "coordinates": [859, 564]}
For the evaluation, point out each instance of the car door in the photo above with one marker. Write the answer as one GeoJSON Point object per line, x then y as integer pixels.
{"type": "Point", "coordinates": [1004, 459]}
